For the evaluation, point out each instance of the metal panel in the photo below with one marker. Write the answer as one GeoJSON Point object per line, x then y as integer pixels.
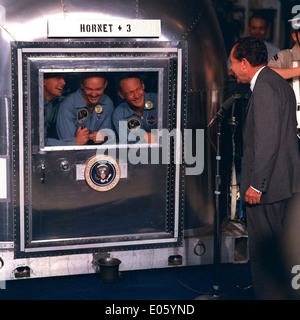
{"type": "Point", "coordinates": [193, 22]}
{"type": "Point", "coordinates": [64, 213]}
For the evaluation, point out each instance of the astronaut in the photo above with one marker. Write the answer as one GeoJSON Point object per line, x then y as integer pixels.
{"type": "Point", "coordinates": [54, 84]}
{"type": "Point", "coordinates": [84, 116]}
{"type": "Point", "coordinates": [136, 117]}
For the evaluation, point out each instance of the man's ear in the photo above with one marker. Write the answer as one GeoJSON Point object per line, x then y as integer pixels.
{"type": "Point", "coordinates": [295, 37]}
{"type": "Point", "coordinates": [245, 63]}
{"type": "Point", "coordinates": [121, 94]}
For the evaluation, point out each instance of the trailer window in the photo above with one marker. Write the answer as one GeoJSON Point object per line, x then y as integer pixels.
{"type": "Point", "coordinates": [99, 108]}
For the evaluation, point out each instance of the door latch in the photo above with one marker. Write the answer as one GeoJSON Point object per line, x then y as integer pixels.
{"type": "Point", "coordinates": [43, 172]}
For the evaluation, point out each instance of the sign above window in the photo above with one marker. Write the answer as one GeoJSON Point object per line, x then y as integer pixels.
{"type": "Point", "coordinates": [135, 28]}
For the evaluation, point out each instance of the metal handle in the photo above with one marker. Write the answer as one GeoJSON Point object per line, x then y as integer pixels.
{"type": "Point", "coordinates": [43, 172]}
{"type": "Point", "coordinates": [202, 249]}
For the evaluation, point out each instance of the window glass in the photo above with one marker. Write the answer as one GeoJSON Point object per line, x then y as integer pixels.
{"type": "Point", "coordinates": [99, 108]}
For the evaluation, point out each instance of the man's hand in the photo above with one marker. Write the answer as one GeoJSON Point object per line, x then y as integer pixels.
{"type": "Point", "coordinates": [252, 196]}
{"type": "Point", "coordinates": [97, 136]}
{"type": "Point", "coordinates": [82, 136]}
{"type": "Point", "coordinates": [150, 137]}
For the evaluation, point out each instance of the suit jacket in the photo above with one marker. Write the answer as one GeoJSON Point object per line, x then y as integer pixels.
{"type": "Point", "coordinates": [271, 161]}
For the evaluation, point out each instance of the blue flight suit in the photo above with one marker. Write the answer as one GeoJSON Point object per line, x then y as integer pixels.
{"type": "Point", "coordinates": [74, 113]}
{"type": "Point", "coordinates": [132, 122]}
{"type": "Point", "coordinates": [50, 117]}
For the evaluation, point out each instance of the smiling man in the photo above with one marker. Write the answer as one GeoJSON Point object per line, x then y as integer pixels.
{"type": "Point", "coordinates": [138, 112]}
{"type": "Point", "coordinates": [258, 28]}
{"type": "Point", "coordinates": [85, 115]}
{"type": "Point", "coordinates": [271, 165]}
{"type": "Point", "coordinates": [54, 84]}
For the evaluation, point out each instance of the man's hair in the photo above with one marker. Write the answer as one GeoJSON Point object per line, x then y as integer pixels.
{"type": "Point", "coordinates": [253, 50]}
{"type": "Point", "coordinates": [260, 15]}
{"type": "Point", "coordinates": [129, 75]}
{"type": "Point", "coordinates": [86, 75]}
{"type": "Point", "coordinates": [53, 75]}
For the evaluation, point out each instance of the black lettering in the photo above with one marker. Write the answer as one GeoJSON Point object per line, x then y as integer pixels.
{"type": "Point", "coordinates": [82, 27]}
{"type": "Point", "coordinates": [96, 27]}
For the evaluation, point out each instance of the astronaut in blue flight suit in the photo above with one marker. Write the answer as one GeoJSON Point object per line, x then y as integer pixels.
{"type": "Point", "coordinates": [85, 115]}
{"type": "Point", "coordinates": [136, 117]}
{"type": "Point", "coordinates": [54, 84]}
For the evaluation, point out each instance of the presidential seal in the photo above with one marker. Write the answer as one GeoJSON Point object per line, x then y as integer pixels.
{"type": "Point", "coordinates": [102, 173]}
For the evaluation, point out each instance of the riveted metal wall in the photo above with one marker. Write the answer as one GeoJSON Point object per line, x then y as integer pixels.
{"type": "Point", "coordinates": [192, 22]}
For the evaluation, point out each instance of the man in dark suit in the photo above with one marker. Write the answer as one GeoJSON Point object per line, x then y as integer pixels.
{"type": "Point", "coordinates": [271, 165]}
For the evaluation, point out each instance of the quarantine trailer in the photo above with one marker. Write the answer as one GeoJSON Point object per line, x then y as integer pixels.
{"type": "Point", "coordinates": [59, 213]}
